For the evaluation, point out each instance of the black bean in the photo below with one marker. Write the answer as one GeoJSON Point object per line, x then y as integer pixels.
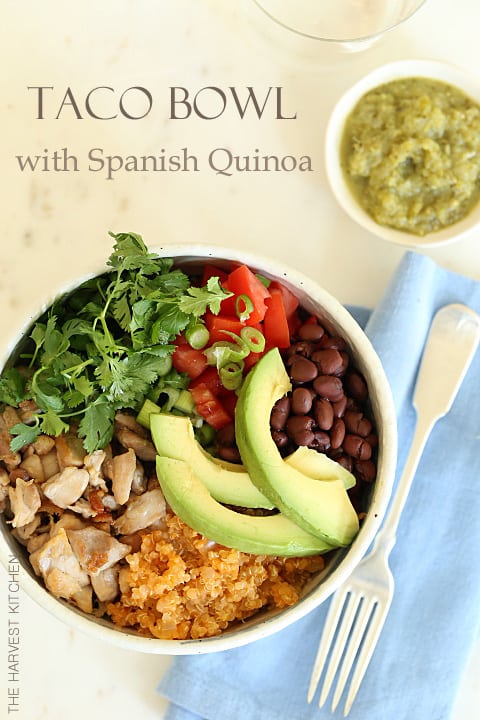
{"type": "Point", "coordinates": [328, 386]}
{"type": "Point", "coordinates": [280, 413]}
{"type": "Point", "coordinates": [324, 414]}
{"type": "Point", "coordinates": [357, 447]}
{"type": "Point", "coordinates": [230, 454]}
{"type": "Point", "coordinates": [302, 399]}
{"type": "Point", "coordinates": [321, 441]}
{"type": "Point", "coordinates": [328, 361]}
{"type": "Point", "coordinates": [356, 386]}
{"type": "Point", "coordinates": [357, 423]}
{"type": "Point", "coordinates": [226, 435]}
{"type": "Point", "coordinates": [311, 331]}
{"type": "Point", "coordinates": [339, 407]}
{"type": "Point", "coordinates": [299, 428]}
{"type": "Point", "coordinates": [280, 438]}
{"type": "Point", "coordinates": [302, 370]}
{"type": "Point", "coordinates": [335, 342]}
{"type": "Point", "coordinates": [303, 348]}
{"type": "Point", "coordinates": [365, 470]}
{"type": "Point", "coordinates": [337, 433]}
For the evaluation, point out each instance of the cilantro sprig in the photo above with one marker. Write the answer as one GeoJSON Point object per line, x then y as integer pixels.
{"type": "Point", "coordinates": [99, 348]}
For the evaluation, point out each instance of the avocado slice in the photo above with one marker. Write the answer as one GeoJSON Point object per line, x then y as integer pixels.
{"type": "Point", "coordinates": [322, 508]}
{"type": "Point", "coordinates": [228, 483]}
{"type": "Point", "coordinates": [269, 535]}
{"type": "Point", "coordinates": [319, 467]}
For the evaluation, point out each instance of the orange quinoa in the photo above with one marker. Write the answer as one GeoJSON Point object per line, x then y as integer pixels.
{"type": "Point", "coordinates": [180, 585]}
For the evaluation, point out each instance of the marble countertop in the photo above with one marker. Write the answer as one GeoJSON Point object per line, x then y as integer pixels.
{"type": "Point", "coordinates": [85, 182]}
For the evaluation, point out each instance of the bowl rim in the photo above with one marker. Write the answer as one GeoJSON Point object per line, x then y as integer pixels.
{"type": "Point", "coordinates": [99, 629]}
{"type": "Point", "coordinates": [347, 41]}
{"type": "Point", "coordinates": [434, 69]}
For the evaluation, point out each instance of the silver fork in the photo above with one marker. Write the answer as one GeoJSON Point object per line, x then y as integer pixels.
{"type": "Point", "coordinates": [360, 606]}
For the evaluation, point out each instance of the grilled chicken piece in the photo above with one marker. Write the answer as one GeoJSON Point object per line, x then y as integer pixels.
{"type": "Point", "coordinates": [83, 508]}
{"type": "Point", "coordinates": [105, 584]}
{"type": "Point", "coordinates": [56, 562]}
{"type": "Point", "coordinates": [43, 444]}
{"type": "Point", "coordinates": [66, 487]}
{"type": "Point", "coordinates": [10, 417]}
{"type": "Point", "coordinates": [27, 410]}
{"type": "Point", "coordinates": [24, 533]}
{"type": "Point", "coordinates": [70, 451]}
{"type": "Point", "coordinates": [124, 467]}
{"type": "Point", "coordinates": [11, 459]}
{"type": "Point", "coordinates": [24, 502]}
{"type": "Point", "coordinates": [93, 465]}
{"type": "Point", "coordinates": [50, 464]}
{"type": "Point", "coordinates": [4, 483]}
{"type": "Point", "coordinates": [83, 599]}
{"type": "Point", "coordinates": [143, 448]}
{"type": "Point", "coordinates": [142, 511]}
{"type": "Point", "coordinates": [124, 420]}
{"type": "Point", "coordinates": [140, 480]}
{"type": "Point", "coordinates": [96, 550]}
{"type": "Point", "coordinates": [33, 465]}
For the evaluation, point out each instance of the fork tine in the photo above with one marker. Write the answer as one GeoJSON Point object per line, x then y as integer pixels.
{"type": "Point", "coordinates": [365, 654]}
{"type": "Point", "coordinates": [331, 622]}
{"type": "Point", "coordinates": [365, 614]}
{"type": "Point", "coordinates": [339, 646]}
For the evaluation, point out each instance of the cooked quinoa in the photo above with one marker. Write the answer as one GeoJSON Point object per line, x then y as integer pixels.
{"type": "Point", "coordinates": [180, 585]}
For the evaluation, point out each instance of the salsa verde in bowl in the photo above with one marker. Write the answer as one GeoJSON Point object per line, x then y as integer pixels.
{"type": "Point", "coordinates": [177, 541]}
{"type": "Point", "coordinates": [402, 152]}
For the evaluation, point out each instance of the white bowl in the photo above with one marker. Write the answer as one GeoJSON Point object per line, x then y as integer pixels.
{"type": "Point", "coordinates": [402, 69]}
{"type": "Point", "coordinates": [317, 301]}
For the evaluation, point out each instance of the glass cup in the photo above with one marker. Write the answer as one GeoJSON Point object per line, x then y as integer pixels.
{"type": "Point", "coordinates": [353, 24]}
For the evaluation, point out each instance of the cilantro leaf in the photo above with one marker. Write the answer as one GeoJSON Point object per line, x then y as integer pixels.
{"type": "Point", "coordinates": [24, 435]}
{"type": "Point", "coordinates": [199, 299]}
{"type": "Point", "coordinates": [96, 426]}
{"type": "Point", "coordinates": [52, 424]}
{"type": "Point", "coordinates": [99, 348]}
{"type": "Point", "coordinates": [12, 387]}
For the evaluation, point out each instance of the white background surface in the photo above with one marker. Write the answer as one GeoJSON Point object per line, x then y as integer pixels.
{"type": "Point", "coordinates": [54, 224]}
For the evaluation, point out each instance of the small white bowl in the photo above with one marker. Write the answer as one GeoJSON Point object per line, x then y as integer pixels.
{"type": "Point", "coordinates": [317, 301]}
{"type": "Point", "coordinates": [432, 69]}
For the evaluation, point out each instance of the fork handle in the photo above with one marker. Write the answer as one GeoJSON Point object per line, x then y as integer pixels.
{"type": "Point", "coordinates": [387, 536]}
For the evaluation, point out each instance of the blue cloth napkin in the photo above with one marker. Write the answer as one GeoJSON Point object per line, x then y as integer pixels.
{"type": "Point", "coordinates": [435, 614]}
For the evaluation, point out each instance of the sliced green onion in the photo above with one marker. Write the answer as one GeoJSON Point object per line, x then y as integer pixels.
{"type": "Point", "coordinates": [223, 352]}
{"type": "Point", "coordinates": [164, 366]}
{"type": "Point", "coordinates": [231, 375]}
{"type": "Point", "coordinates": [197, 336]}
{"type": "Point", "coordinates": [253, 339]}
{"type": "Point", "coordinates": [243, 307]}
{"type": "Point", "coordinates": [265, 281]}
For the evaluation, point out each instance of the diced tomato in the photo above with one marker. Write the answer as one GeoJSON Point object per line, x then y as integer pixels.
{"type": "Point", "coordinates": [294, 323]}
{"type": "Point", "coordinates": [229, 400]}
{"type": "Point", "coordinates": [252, 360]}
{"type": "Point", "coordinates": [290, 300]}
{"type": "Point", "coordinates": [210, 270]}
{"type": "Point", "coordinates": [242, 281]}
{"type": "Point", "coordinates": [210, 378]}
{"type": "Point", "coordinates": [181, 339]}
{"type": "Point", "coordinates": [275, 324]}
{"type": "Point", "coordinates": [210, 407]}
{"type": "Point", "coordinates": [188, 360]}
{"type": "Point", "coordinates": [217, 324]}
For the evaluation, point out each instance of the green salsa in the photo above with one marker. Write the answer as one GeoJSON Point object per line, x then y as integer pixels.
{"type": "Point", "coordinates": [411, 154]}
